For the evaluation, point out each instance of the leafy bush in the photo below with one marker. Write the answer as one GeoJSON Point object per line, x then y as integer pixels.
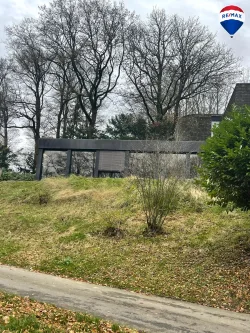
{"type": "Point", "coordinates": [10, 175]}
{"type": "Point", "coordinates": [6, 157]}
{"type": "Point", "coordinates": [136, 127]}
{"type": "Point", "coordinates": [225, 170]}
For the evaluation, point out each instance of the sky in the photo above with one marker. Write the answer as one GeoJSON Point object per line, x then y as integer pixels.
{"type": "Point", "coordinates": [12, 11]}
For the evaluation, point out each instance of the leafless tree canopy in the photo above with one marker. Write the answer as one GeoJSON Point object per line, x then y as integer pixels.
{"type": "Point", "coordinates": [7, 97]}
{"type": "Point", "coordinates": [78, 54]}
{"type": "Point", "coordinates": [171, 60]}
{"type": "Point", "coordinates": [30, 70]}
{"type": "Point", "coordinates": [91, 34]}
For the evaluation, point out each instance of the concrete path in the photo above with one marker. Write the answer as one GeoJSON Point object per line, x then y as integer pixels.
{"type": "Point", "coordinates": [148, 313]}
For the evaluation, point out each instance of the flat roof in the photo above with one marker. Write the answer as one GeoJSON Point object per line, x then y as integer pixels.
{"type": "Point", "coordinates": [120, 145]}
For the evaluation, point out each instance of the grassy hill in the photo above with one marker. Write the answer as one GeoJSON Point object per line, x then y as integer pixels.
{"type": "Point", "coordinates": [92, 230]}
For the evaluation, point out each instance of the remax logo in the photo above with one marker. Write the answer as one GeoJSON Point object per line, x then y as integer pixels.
{"type": "Point", "coordinates": [232, 18]}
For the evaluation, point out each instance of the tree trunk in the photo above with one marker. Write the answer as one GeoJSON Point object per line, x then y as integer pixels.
{"type": "Point", "coordinates": [176, 112]}
{"type": "Point", "coordinates": [35, 154]}
{"type": "Point", "coordinates": [37, 127]}
{"type": "Point", "coordinates": [92, 124]}
{"type": "Point", "coordinates": [5, 137]}
{"type": "Point", "coordinates": [5, 124]}
{"type": "Point", "coordinates": [58, 126]}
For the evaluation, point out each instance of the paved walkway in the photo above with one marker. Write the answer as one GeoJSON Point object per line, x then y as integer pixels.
{"type": "Point", "coordinates": [148, 313]}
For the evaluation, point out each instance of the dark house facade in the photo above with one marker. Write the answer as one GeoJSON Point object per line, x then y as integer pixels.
{"type": "Point", "coordinates": [197, 127]}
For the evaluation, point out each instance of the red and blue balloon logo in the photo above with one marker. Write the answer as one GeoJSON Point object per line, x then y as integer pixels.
{"type": "Point", "coordinates": [232, 19]}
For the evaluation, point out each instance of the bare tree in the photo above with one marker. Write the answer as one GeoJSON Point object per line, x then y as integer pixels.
{"type": "Point", "coordinates": [203, 64]}
{"type": "Point", "coordinates": [147, 63]}
{"type": "Point", "coordinates": [7, 97]}
{"type": "Point", "coordinates": [63, 84]}
{"type": "Point", "coordinates": [4, 102]}
{"type": "Point", "coordinates": [171, 60]}
{"type": "Point", "coordinates": [213, 101]}
{"type": "Point", "coordinates": [91, 34]}
{"type": "Point", "coordinates": [30, 70]}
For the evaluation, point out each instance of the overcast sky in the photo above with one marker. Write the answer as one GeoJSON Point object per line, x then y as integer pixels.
{"type": "Point", "coordinates": [12, 11]}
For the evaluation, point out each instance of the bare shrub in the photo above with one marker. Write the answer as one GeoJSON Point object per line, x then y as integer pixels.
{"type": "Point", "coordinates": [159, 194]}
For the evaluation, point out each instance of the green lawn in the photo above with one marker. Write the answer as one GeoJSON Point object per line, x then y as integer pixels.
{"type": "Point", "coordinates": [62, 226]}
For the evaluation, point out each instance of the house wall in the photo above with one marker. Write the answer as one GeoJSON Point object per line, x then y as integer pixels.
{"type": "Point", "coordinates": [195, 127]}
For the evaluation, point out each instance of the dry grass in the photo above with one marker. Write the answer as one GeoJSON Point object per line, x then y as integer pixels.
{"type": "Point", "coordinates": [203, 257]}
